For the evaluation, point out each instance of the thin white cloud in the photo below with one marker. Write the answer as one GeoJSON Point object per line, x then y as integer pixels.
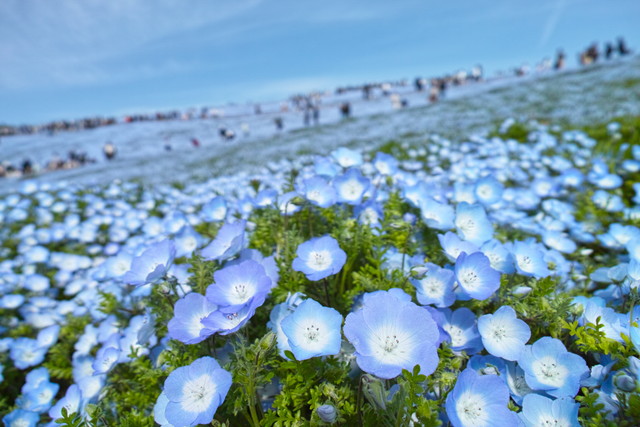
{"type": "Point", "coordinates": [552, 22]}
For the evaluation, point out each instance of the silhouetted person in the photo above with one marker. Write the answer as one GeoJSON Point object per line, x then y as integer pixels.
{"type": "Point", "coordinates": [27, 167]}
{"type": "Point", "coordinates": [279, 123]}
{"type": "Point", "coordinates": [316, 114]}
{"type": "Point", "coordinates": [109, 150]}
{"type": "Point", "coordinates": [195, 142]}
{"type": "Point", "coordinates": [419, 84]}
{"type": "Point", "coordinates": [608, 51]}
{"type": "Point", "coordinates": [345, 110]}
{"type": "Point", "coordinates": [622, 47]}
{"type": "Point", "coordinates": [560, 60]}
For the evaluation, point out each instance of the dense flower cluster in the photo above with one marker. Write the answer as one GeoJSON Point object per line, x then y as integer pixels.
{"type": "Point", "coordinates": [490, 282]}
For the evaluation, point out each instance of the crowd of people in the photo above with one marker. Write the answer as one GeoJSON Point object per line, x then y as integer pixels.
{"type": "Point", "coordinates": [309, 106]}
{"type": "Point", "coordinates": [73, 160]}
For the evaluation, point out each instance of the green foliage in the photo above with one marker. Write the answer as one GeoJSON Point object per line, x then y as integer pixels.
{"type": "Point", "coordinates": [58, 359]}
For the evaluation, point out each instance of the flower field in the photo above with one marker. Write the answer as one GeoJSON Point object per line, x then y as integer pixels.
{"type": "Point", "coordinates": [486, 281]}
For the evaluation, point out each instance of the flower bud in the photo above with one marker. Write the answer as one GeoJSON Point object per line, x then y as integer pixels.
{"type": "Point", "coordinates": [625, 383]}
{"type": "Point", "coordinates": [327, 413]}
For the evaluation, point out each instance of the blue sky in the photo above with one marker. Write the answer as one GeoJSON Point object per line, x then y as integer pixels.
{"type": "Point", "coordinates": [67, 59]}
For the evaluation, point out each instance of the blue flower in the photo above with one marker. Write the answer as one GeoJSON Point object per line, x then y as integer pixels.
{"type": "Point", "coordinates": [318, 191]}
{"type": "Point", "coordinates": [319, 257]}
{"type": "Point", "coordinates": [238, 285]}
{"type": "Point", "coordinates": [478, 401]}
{"type": "Point", "coordinates": [215, 210]}
{"type": "Point", "coordinates": [386, 164]}
{"type": "Point", "coordinates": [351, 187]}
{"type": "Point", "coordinates": [152, 265]}
{"type": "Point", "coordinates": [539, 410]}
{"type": "Point", "coordinates": [529, 260]}
{"type": "Point", "coordinates": [453, 246]}
{"type": "Point", "coordinates": [461, 327]}
{"type": "Point", "coordinates": [549, 367]}
{"type": "Point", "coordinates": [472, 222]}
{"type": "Point", "coordinates": [21, 418]}
{"type": "Point", "coordinates": [390, 334]}
{"type": "Point", "coordinates": [195, 392]}
{"type": "Point", "coordinates": [27, 352]}
{"type": "Point", "coordinates": [503, 334]}
{"type": "Point", "coordinates": [347, 157]}
{"type": "Point", "coordinates": [228, 242]}
{"type": "Point", "coordinates": [39, 399]}
{"type": "Point", "coordinates": [437, 215]}
{"type": "Point", "coordinates": [488, 190]}
{"type": "Point", "coordinates": [227, 320]}
{"type": "Point", "coordinates": [188, 312]}
{"type": "Point", "coordinates": [475, 275]}
{"type": "Point", "coordinates": [313, 330]}
{"type": "Point", "coordinates": [72, 401]}
{"type": "Point", "coordinates": [436, 287]}
{"type": "Point", "coordinates": [278, 314]}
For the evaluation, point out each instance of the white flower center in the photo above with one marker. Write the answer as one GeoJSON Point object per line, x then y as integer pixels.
{"type": "Point", "coordinates": [457, 335]}
{"type": "Point", "coordinates": [312, 332]}
{"type": "Point", "coordinates": [469, 279]}
{"type": "Point", "coordinates": [548, 420]}
{"type": "Point", "coordinates": [320, 260]}
{"type": "Point", "coordinates": [198, 394]}
{"type": "Point", "coordinates": [549, 371]}
{"type": "Point", "coordinates": [352, 190]}
{"type": "Point", "coordinates": [469, 410]}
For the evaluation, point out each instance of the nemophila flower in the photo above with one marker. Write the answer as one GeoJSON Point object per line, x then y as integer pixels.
{"type": "Point", "coordinates": [48, 336]}
{"type": "Point", "coordinates": [27, 352]}
{"type": "Point", "coordinates": [39, 399]}
{"type": "Point", "coordinates": [289, 203]}
{"type": "Point", "coordinates": [385, 163]}
{"type": "Point", "coordinates": [187, 241]}
{"type": "Point", "coordinates": [186, 326]}
{"type": "Point", "coordinates": [559, 241]}
{"type": "Point", "coordinates": [158, 411]}
{"type": "Point", "coordinates": [152, 265]}
{"type": "Point", "coordinates": [437, 215]}
{"type": "Point", "coordinates": [277, 315]}
{"type": "Point", "coordinates": [541, 411]}
{"type": "Point", "coordinates": [268, 263]}
{"type": "Point", "coordinates": [318, 191]}
{"type": "Point", "coordinates": [225, 320]}
{"type": "Point", "coordinates": [21, 418]}
{"type": "Point", "coordinates": [106, 358]}
{"type": "Point", "coordinates": [487, 365]}
{"type": "Point", "coordinates": [266, 197]}
{"type": "Point", "coordinates": [228, 242]}
{"type": "Point", "coordinates": [347, 157]}
{"type": "Point", "coordinates": [503, 334]}
{"type": "Point", "coordinates": [549, 367]}
{"type": "Point", "coordinates": [11, 301]}
{"type": "Point", "coordinates": [453, 246]}
{"type": "Point", "coordinates": [529, 260]}
{"type": "Point", "coordinates": [195, 392]}
{"type": "Point", "coordinates": [462, 329]}
{"type": "Point", "coordinates": [499, 256]}
{"type": "Point", "coordinates": [350, 187]}
{"type": "Point", "coordinates": [479, 401]}
{"type": "Point", "coordinates": [313, 330]}
{"type": "Point", "coordinates": [238, 285]}
{"type": "Point", "coordinates": [319, 257]}
{"type": "Point", "coordinates": [390, 335]}
{"type": "Point", "coordinates": [72, 401]}
{"type": "Point", "coordinates": [475, 275]}
{"type": "Point", "coordinates": [117, 266]}
{"type": "Point", "coordinates": [488, 190]}
{"type": "Point", "coordinates": [369, 213]}
{"type": "Point", "coordinates": [215, 210]}
{"type": "Point", "coordinates": [472, 222]}
{"type": "Point", "coordinates": [436, 287]}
